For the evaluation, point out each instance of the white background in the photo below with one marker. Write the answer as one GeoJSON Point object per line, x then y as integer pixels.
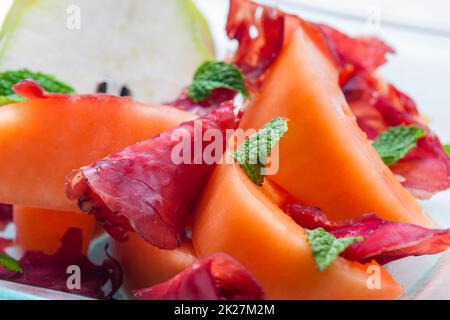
{"type": "Point", "coordinates": [435, 12]}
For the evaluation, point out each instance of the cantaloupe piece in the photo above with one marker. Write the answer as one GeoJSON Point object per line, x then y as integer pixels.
{"type": "Point", "coordinates": [278, 196]}
{"type": "Point", "coordinates": [42, 229]}
{"type": "Point", "coordinates": [42, 140]}
{"type": "Point", "coordinates": [325, 160]}
{"type": "Point", "coordinates": [237, 217]}
{"type": "Point", "coordinates": [145, 265]}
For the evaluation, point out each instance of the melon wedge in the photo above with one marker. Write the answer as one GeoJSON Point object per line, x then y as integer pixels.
{"type": "Point", "coordinates": [237, 217]}
{"type": "Point", "coordinates": [42, 229]}
{"type": "Point", "coordinates": [42, 140]}
{"type": "Point", "coordinates": [325, 160]}
{"type": "Point", "coordinates": [145, 265]}
{"type": "Point", "coordinates": [150, 46]}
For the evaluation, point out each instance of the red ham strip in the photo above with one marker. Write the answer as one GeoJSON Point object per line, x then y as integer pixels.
{"type": "Point", "coordinates": [384, 241]}
{"type": "Point", "coordinates": [271, 27]}
{"type": "Point", "coordinates": [50, 271]}
{"type": "Point", "coordinates": [256, 52]}
{"type": "Point", "coordinates": [218, 97]}
{"type": "Point", "coordinates": [218, 277]}
{"type": "Point", "coordinates": [355, 55]}
{"type": "Point", "coordinates": [31, 89]}
{"type": "Point", "coordinates": [142, 189]}
{"type": "Point", "coordinates": [5, 214]}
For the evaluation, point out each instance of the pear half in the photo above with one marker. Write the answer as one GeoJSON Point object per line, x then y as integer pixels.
{"type": "Point", "coordinates": [150, 47]}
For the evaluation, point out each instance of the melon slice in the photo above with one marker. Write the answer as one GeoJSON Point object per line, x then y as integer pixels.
{"type": "Point", "coordinates": [42, 229]}
{"type": "Point", "coordinates": [145, 265]}
{"type": "Point", "coordinates": [238, 218]}
{"type": "Point", "coordinates": [42, 140]}
{"type": "Point", "coordinates": [150, 46]}
{"type": "Point", "coordinates": [325, 160]}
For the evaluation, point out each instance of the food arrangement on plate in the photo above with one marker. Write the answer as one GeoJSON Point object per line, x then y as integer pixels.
{"type": "Point", "coordinates": [291, 170]}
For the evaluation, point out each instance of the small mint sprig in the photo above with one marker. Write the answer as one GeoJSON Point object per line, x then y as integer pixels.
{"type": "Point", "coordinates": [213, 75]}
{"type": "Point", "coordinates": [253, 154]}
{"type": "Point", "coordinates": [326, 248]}
{"type": "Point", "coordinates": [447, 149]}
{"type": "Point", "coordinates": [10, 264]}
{"type": "Point", "coordinates": [396, 142]}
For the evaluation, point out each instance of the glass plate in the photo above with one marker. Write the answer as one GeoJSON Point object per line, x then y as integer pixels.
{"type": "Point", "coordinates": [421, 68]}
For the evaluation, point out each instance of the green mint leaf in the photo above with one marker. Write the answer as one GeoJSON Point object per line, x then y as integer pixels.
{"type": "Point", "coordinates": [10, 264]}
{"type": "Point", "coordinates": [326, 248]}
{"type": "Point", "coordinates": [9, 78]}
{"type": "Point", "coordinates": [214, 75]}
{"type": "Point", "coordinates": [253, 153]}
{"type": "Point", "coordinates": [396, 142]}
{"type": "Point", "coordinates": [447, 149]}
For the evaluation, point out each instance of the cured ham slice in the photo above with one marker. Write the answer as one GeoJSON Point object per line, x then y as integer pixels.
{"type": "Point", "coordinates": [5, 215]}
{"type": "Point", "coordinates": [384, 241]}
{"type": "Point", "coordinates": [50, 271]}
{"type": "Point", "coordinates": [354, 55]}
{"type": "Point", "coordinates": [218, 277]}
{"type": "Point", "coordinates": [258, 51]}
{"type": "Point", "coordinates": [143, 189]}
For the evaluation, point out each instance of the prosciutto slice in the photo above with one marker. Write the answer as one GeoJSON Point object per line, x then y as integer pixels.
{"type": "Point", "coordinates": [384, 241]}
{"type": "Point", "coordinates": [5, 214]}
{"type": "Point", "coordinates": [218, 277]}
{"type": "Point", "coordinates": [151, 187]}
{"type": "Point", "coordinates": [217, 98]}
{"type": "Point", "coordinates": [259, 30]}
{"type": "Point", "coordinates": [355, 55]}
{"type": "Point", "coordinates": [50, 271]}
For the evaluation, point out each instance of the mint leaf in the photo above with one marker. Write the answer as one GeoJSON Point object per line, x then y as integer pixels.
{"type": "Point", "coordinates": [9, 78]}
{"type": "Point", "coordinates": [326, 247]}
{"type": "Point", "coordinates": [214, 75]}
{"type": "Point", "coordinates": [10, 264]}
{"type": "Point", "coordinates": [447, 149]}
{"type": "Point", "coordinates": [253, 153]}
{"type": "Point", "coordinates": [396, 142]}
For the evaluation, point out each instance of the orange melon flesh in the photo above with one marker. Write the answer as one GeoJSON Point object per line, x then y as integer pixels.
{"type": "Point", "coordinates": [145, 265]}
{"type": "Point", "coordinates": [325, 160]}
{"type": "Point", "coordinates": [42, 229]}
{"type": "Point", "coordinates": [42, 140]}
{"type": "Point", "coordinates": [277, 195]}
{"type": "Point", "coordinates": [237, 217]}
